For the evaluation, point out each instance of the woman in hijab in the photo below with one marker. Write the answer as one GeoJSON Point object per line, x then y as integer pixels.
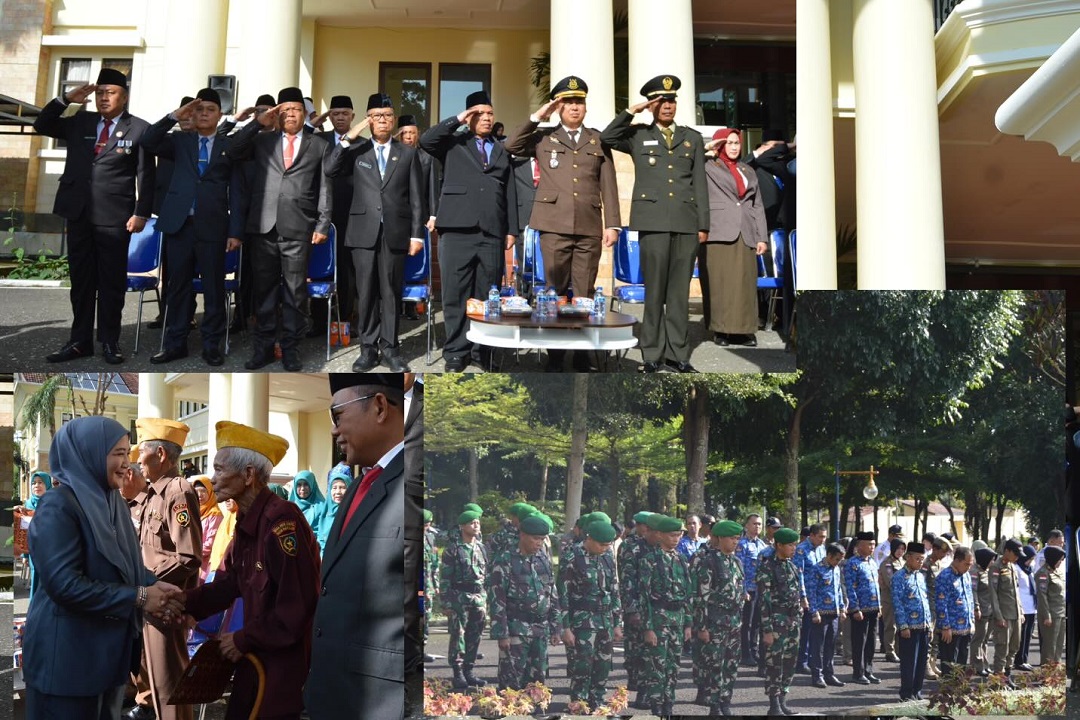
{"type": "Point", "coordinates": [339, 483]}
{"type": "Point", "coordinates": [1028, 605]}
{"type": "Point", "coordinates": [305, 494]}
{"type": "Point", "coordinates": [737, 232]}
{"type": "Point", "coordinates": [40, 482]}
{"type": "Point", "coordinates": [83, 634]}
{"type": "Point", "coordinates": [211, 519]}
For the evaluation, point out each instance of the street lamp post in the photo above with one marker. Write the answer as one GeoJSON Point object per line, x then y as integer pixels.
{"type": "Point", "coordinates": [869, 492]}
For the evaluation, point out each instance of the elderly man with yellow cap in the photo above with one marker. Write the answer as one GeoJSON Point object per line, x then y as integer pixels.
{"type": "Point", "coordinates": [273, 564]}
{"type": "Point", "coordinates": [171, 538]}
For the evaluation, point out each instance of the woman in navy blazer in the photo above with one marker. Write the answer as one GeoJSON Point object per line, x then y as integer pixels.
{"type": "Point", "coordinates": [82, 634]}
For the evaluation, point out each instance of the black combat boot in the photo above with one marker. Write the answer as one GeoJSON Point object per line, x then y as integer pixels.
{"type": "Point", "coordinates": [472, 679]}
{"type": "Point", "coordinates": [725, 707]}
{"type": "Point", "coordinates": [701, 699]}
{"type": "Point", "coordinates": [774, 706]}
{"type": "Point", "coordinates": [715, 710]}
{"type": "Point", "coordinates": [460, 683]}
{"type": "Point", "coordinates": [639, 701]}
{"type": "Point", "coordinates": [668, 709]}
{"type": "Point", "coordinates": [783, 705]}
{"type": "Point", "coordinates": [657, 709]}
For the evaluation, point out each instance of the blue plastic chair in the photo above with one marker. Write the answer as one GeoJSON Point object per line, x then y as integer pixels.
{"type": "Point", "coordinates": [322, 278]}
{"type": "Point", "coordinates": [773, 283]}
{"type": "Point", "coordinates": [794, 261]}
{"type": "Point", "coordinates": [532, 264]}
{"type": "Point", "coordinates": [143, 266]}
{"type": "Point", "coordinates": [417, 287]}
{"type": "Point", "coordinates": [626, 268]}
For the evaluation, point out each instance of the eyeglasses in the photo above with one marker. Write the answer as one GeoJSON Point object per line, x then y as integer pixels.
{"type": "Point", "coordinates": [381, 116]}
{"type": "Point", "coordinates": [335, 416]}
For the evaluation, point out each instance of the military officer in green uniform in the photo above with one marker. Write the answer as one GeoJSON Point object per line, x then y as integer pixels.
{"type": "Point", "coordinates": [782, 605]}
{"type": "Point", "coordinates": [464, 568]}
{"type": "Point", "coordinates": [524, 605]}
{"type": "Point", "coordinates": [506, 537]}
{"type": "Point", "coordinates": [1008, 611]}
{"type": "Point", "coordinates": [664, 584]}
{"type": "Point", "coordinates": [670, 210]}
{"type": "Point", "coordinates": [592, 614]}
{"type": "Point", "coordinates": [1050, 587]}
{"type": "Point", "coordinates": [630, 552]}
{"type": "Point", "coordinates": [431, 574]}
{"type": "Point", "coordinates": [572, 549]}
{"type": "Point", "coordinates": [718, 605]}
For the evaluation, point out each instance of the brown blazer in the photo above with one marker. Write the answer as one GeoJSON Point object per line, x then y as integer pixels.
{"type": "Point", "coordinates": [571, 195]}
{"type": "Point", "coordinates": [730, 215]}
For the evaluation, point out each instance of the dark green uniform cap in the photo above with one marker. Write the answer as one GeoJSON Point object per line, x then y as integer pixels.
{"type": "Point", "coordinates": [653, 521]}
{"type": "Point", "coordinates": [584, 520]}
{"type": "Point", "coordinates": [601, 531]}
{"type": "Point", "coordinates": [536, 524]}
{"type": "Point", "coordinates": [786, 535]}
{"type": "Point", "coordinates": [467, 517]}
{"type": "Point", "coordinates": [726, 528]}
{"type": "Point", "coordinates": [474, 507]}
{"type": "Point", "coordinates": [598, 515]}
{"type": "Point", "coordinates": [521, 510]}
{"type": "Point", "coordinates": [642, 516]}
{"type": "Point", "coordinates": [669, 524]}
{"type": "Point", "coordinates": [428, 517]}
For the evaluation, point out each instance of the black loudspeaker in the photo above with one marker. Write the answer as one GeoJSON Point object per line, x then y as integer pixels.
{"type": "Point", "coordinates": [226, 87]}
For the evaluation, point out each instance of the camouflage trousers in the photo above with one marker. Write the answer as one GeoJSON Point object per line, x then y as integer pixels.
{"type": "Point", "coordinates": [591, 665]}
{"type": "Point", "coordinates": [660, 668]}
{"type": "Point", "coordinates": [720, 656]}
{"type": "Point", "coordinates": [466, 625]}
{"type": "Point", "coordinates": [633, 659]}
{"type": "Point", "coordinates": [526, 661]}
{"type": "Point", "coordinates": [698, 671]}
{"type": "Point", "coordinates": [781, 655]}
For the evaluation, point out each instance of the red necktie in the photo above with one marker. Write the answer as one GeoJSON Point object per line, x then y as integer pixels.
{"type": "Point", "coordinates": [365, 485]}
{"type": "Point", "coordinates": [289, 151]}
{"type": "Point", "coordinates": [103, 138]}
{"type": "Point", "coordinates": [536, 173]}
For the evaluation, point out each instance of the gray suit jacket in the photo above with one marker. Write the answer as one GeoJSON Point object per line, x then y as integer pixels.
{"type": "Point", "coordinates": [730, 215]}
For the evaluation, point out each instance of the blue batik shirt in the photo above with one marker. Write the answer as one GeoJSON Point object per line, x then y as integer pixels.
{"type": "Point", "coordinates": [955, 603]}
{"type": "Point", "coordinates": [910, 601]}
{"type": "Point", "coordinates": [823, 588]}
{"type": "Point", "coordinates": [860, 584]}
{"type": "Point", "coordinates": [749, 552]}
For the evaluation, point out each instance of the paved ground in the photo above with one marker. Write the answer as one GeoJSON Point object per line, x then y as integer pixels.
{"type": "Point", "coordinates": [749, 697]}
{"type": "Point", "coordinates": [36, 322]}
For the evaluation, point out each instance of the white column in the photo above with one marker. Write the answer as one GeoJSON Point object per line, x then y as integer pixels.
{"type": "Point", "coordinates": [194, 44]}
{"type": "Point", "coordinates": [155, 397]}
{"type": "Point", "coordinates": [270, 46]}
{"type": "Point", "coordinates": [251, 400]}
{"type": "Point", "coordinates": [592, 61]}
{"type": "Point", "coordinates": [897, 150]}
{"type": "Point", "coordinates": [816, 211]}
{"type": "Point", "coordinates": [218, 407]}
{"type": "Point", "coordinates": [662, 43]}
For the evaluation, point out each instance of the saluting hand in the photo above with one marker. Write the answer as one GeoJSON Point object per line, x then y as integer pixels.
{"type": "Point", "coordinates": [228, 648]}
{"type": "Point", "coordinates": [355, 130]}
{"type": "Point", "coordinates": [246, 113]}
{"type": "Point", "coordinates": [650, 105]}
{"type": "Point", "coordinates": [268, 117]}
{"type": "Point", "coordinates": [466, 115]}
{"type": "Point", "coordinates": [317, 123]}
{"type": "Point", "coordinates": [548, 109]}
{"type": "Point", "coordinates": [80, 94]}
{"type": "Point", "coordinates": [186, 110]}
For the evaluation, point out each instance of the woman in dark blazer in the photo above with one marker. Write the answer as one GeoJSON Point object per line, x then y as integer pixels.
{"type": "Point", "coordinates": [82, 634]}
{"type": "Point", "coordinates": [736, 233]}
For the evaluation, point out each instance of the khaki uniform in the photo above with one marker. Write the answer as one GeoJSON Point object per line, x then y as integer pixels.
{"type": "Point", "coordinates": [980, 581]}
{"type": "Point", "coordinates": [576, 180]}
{"type": "Point", "coordinates": [170, 532]}
{"type": "Point", "coordinates": [1050, 586]}
{"type": "Point", "coordinates": [1005, 598]}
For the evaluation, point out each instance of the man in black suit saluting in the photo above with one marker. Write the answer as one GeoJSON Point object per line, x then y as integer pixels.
{"type": "Point", "coordinates": [477, 217]}
{"type": "Point", "coordinates": [104, 168]}
{"type": "Point", "coordinates": [201, 217]}
{"type": "Point", "coordinates": [386, 220]}
{"type": "Point", "coordinates": [288, 212]}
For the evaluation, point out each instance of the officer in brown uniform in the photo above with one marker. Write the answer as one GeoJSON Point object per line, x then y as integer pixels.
{"type": "Point", "coordinates": [1008, 613]}
{"type": "Point", "coordinates": [273, 564]}
{"type": "Point", "coordinates": [577, 179]}
{"type": "Point", "coordinates": [170, 534]}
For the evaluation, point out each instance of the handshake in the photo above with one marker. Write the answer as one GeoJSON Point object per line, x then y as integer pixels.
{"type": "Point", "coordinates": [165, 602]}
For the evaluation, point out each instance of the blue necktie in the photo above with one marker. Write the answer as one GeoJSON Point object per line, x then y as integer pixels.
{"type": "Point", "coordinates": [204, 155]}
{"type": "Point", "coordinates": [482, 150]}
{"type": "Point", "coordinates": [381, 149]}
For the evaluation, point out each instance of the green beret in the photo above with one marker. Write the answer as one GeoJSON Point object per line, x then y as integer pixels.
{"type": "Point", "coordinates": [536, 524]}
{"type": "Point", "coordinates": [601, 531]}
{"type": "Point", "coordinates": [726, 528]}
{"type": "Point", "coordinates": [642, 516]}
{"type": "Point", "coordinates": [786, 535]}
{"type": "Point", "coordinates": [653, 521]}
{"type": "Point", "coordinates": [467, 517]}
{"type": "Point", "coordinates": [521, 510]}
{"type": "Point", "coordinates": [428, 517]}
{"type": "Point", "coordinates": [474, 507]}
{"type": "Point", "coordinates": [669, 524]}
{"type": "Point", "coordinates": [584, 520]}
{"type": "Point", "coordinates": [598, 515]}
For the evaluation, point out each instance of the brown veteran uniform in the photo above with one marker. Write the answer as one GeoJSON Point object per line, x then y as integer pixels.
{"type": "Point", "coordinates": [577, 181]}
{"type": "Point", "coordinates": [1005, 599]}
{"type": "Point", "coordinates": [170, 533]}
{"type": "Point", "coordinates": [273, 564]}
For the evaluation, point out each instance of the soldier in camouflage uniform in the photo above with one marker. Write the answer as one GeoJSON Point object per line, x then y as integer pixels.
{"type": "Point", "coordinates": [524, 606]}
{"type": "Point", "coordinates": [630, 552]}
{"type": "Point", "coordinates": [566, 558]}
{"type": "Point", "coordinates": [1050, 586]}
{"type": "Point", "coordinates": [592, 614]}
{"type": "Point", "coordinates": [721, 594]}
{"type": "Point", "coordinates": [664, 586]}
{"type": "Point", "coordinates": [699, 671]}
{"type": "Point", "coordinates": [782, 604]}
{"type": "Point", "coordinates": [431, 575]}
{"type": "Point", "coordinates": [506, 537]}
{"type": "Point", "coordinates": [462, 585]}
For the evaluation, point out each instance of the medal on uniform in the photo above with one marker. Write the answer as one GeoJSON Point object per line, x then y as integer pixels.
{"type": "Point", "coordinates": [554, 162]}
{"type": "Point", "coordinates": [119, 133]}
{"type": "Point", "coordinates": [652, 161]}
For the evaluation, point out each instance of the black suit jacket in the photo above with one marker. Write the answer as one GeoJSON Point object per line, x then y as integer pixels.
{"type": "Point", "coordinates": [526, 191]}
{"type": "Point", "coordinates": [474, 197]}
{"type": "Point", "coordinates": [414, 525]}
{"type": "Point", "coordinates": [341, 188]}
{"type": "Point", "coordinates": [217, 194]}
{"type": "Point", "coordinates": [396, 200]}
{"type": "Point", "coordinates": [297, 201]}
{"type": "Point", "coordinates": [432, 170]}
{"type": "Point", "coordinates": [779, 204]}
{"type": "Point", "coordinates": [113, 185]}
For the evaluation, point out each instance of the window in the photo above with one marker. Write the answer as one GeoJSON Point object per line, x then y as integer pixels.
{"type": "Point", "coordinates": [133, 434]}
{"type": "Point", "coordinates": [186, 408]}
{"type": "Point", "coordinates": [456, 81]}
{"type": "Point", "coordinates": [409, 86]}
{"type": "Point", "coordinates": [76, 72]}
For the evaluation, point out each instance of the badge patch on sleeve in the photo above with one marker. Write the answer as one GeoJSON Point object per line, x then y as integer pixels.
{"type": "Point", "coordinates": [183, 517]}
{"type": "Point", "coordinates": [285, 531]}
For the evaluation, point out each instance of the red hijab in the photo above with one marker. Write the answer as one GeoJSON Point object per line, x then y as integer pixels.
{"type": "Point", "coordinates": [721, 156]}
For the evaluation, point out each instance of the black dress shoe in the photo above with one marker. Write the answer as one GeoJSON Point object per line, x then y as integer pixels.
{"type": "Point", "coordinates": [802, 669]}
{"type": "Point", "coordinates": [394, 363]}
{"type": "Point", "coordinates": [290, 360]}
{"type": "Point", "coordinates": [874, 679]}
{"type": "Point", "coordinates": [834, 681]}
{"type": "Point", "coordinates": [819, 683]}
{"type": "Point", "coordinates": [918, 695]}
{"type": "Point", "coordinates": [260, 360]}
{"type": "Point", "coordinates": [1026, 667]}
{"type": "Point", "coordinates": [168, 355]}
{"type": "Point", "coordinates": [111, 352]}
{"type": "Point", "coordinates": [141, 712]}
{"type": "Point", "coordinates": [368, 359]}
{"type": "Point", "coordinates": [906, 698]}
{"type": "Point", "coordinates": [212, 356]}
{"type": "Point", "coordinates": [721, 339]}
{"type": "Point", "coordinates": [860, 680]}
{"type": "Point", "coordinates": [457, 364]}
{"type": "Point", "coordinates": [430, 658]}
{"type": "Point", "coordinates": [685, 367]}
{"type": "Point", "coordinates": [650, 367]}
{"type": "Point", "coordinates": [71, 351]}
{"type": "Point", "coordinates": [749, 341]}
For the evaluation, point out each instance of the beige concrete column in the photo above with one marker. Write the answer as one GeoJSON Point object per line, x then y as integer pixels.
{"type": "Point", "coordinates": [251, 400]}
{"type": "Point", "coordinates": [218, 407]}
{"type": "Point", "coordinates": [817, 196]}
{"type": "Point", "coordinates": [194, 44]}
{"type": "Point", "coordinates": [593, 61]}
{"type": "Point", "coordinates": [897, 150]}
{"type": "Point", "coordinates": [155, 396]}
{"type": "Point", "coordinates": [270, 46]}
{"type": "Point", "coordinates": [662, 42]}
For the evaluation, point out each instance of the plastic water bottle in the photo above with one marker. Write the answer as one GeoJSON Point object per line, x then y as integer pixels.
{"type": "Point", "coordinates": [493, 309]}
{"type": "Point", "coordinates": [599, 306]}
{"type": "Point", "coordinates": [553, 303]}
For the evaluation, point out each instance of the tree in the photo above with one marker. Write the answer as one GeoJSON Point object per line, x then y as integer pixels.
{"type": "Point", "coordinates": [575, 471]}
{"type": "Point", "coordinates": [40, 408]}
